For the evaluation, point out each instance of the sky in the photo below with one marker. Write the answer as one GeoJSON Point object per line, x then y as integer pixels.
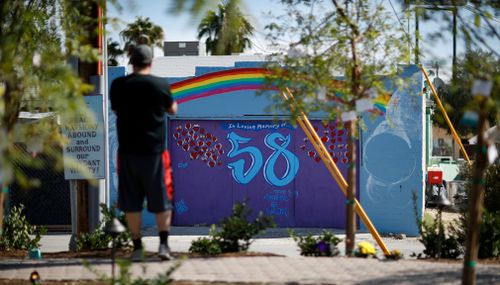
{"type": "Point", "coordinates": [183, 27]}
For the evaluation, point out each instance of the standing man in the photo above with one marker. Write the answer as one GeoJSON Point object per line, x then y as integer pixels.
{"type": "Point", "coordinates": [140, 102]}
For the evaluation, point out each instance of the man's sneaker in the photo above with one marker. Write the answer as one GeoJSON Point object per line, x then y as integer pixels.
{"type": "Point", "coordinates": [137, 255]}
{"type": "Point", "coordinates": [164, 252]}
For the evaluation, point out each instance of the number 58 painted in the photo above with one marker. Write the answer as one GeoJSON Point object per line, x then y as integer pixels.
{"type": "Point", "coordinates": [244, 177]}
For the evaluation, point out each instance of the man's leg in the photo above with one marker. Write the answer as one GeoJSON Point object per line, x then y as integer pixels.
{"type": "Point", "coordinates": [163, 223]}
{"type": "Point", "coordinates": [134, 226]}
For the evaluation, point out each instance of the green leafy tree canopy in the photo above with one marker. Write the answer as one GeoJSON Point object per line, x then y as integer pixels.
{"type": "Point", "coordinates": [226, 30]}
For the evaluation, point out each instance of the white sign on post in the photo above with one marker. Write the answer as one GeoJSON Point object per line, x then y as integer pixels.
{"type": "Point", "coordinates": [86, 144]}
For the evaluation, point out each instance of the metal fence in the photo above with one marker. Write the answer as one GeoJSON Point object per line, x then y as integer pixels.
{"type": "Point", "coordinates": [48, 204]}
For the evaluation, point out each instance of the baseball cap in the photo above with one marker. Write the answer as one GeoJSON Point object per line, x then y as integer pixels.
{"type": "Point", "coordinates": [141, 55]}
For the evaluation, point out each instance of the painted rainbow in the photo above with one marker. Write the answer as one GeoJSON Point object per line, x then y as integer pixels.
{"type": "Point", "coordinates": [219, 82]}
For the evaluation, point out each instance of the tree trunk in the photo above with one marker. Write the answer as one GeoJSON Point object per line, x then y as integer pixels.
{"type": "Point", "coordinates": [476, 198]}
{"type": "Point", "coordinates": [351, 190]}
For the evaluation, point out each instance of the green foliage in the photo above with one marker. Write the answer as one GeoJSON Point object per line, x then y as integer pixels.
{"type": "Point", "coordinates": [357, 41]}
{"type": "Point", "coordinates": [456, 95]}
{"type": "Point", "coordinates": [37, 38]}
{"type": "Point", "coordinates": [235, 232]}
{"type": "Point", "coordinates": [226, 30]}
{"type": "Point", "coordinates": [114, 51]}
{"type": "Point", "coordinates": [98, 239]}
{"type": "Point", "coordinates": [141, 31]}
{"type": "Point", "coordinates": [324, 244]}
{"type": "Point", "coordinates": [18, 233]}
{"type": "Point", "coordinates": [207, 246]}
{"type": "Point", "coordinates": [125, 276]}
{"type": "Point", "coordinates": [438, 242]}
{"type": "Point", "coordinates": [489, 236]}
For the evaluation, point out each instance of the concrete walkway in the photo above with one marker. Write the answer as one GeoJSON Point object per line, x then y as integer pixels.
{"type": "Point", "coordinates": [290, 268]}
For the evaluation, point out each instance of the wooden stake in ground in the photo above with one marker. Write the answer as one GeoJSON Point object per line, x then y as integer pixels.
{"type": "Point", "coordinates": [351, 191]}
{"type": "Point", "coordinates": [3, 193]}
{"type": "Point", "coordinates": [476, 198]}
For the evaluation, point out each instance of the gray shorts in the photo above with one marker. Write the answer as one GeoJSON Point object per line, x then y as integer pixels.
{"type": "Point", "coordinates": [144, 175]}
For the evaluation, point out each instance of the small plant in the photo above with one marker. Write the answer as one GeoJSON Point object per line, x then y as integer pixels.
{"type": "Point", "coordinates": [98, 239]}
{"type": "Point", "coordinates": [18, 233]}
{"type": "Point", "coordinates": [235, 232]}
{"type": "Point", "coordinates": [323, 245]}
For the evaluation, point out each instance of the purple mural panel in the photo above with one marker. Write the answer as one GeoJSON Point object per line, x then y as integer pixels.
{"type": "Point", "coordinates": [270, 163]}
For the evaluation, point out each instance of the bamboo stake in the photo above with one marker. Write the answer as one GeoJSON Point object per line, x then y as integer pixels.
{"type": "Point", "coordinates": [308, 129]}
{"type": "Point", "coordinates": [447, 119]}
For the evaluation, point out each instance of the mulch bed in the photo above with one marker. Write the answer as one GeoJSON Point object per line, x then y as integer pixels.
{"type": "Point", "coordinates": [120, 253]}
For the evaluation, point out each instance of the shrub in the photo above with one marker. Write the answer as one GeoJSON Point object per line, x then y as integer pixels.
{"type": "Point", "coordinates": [18, 233]}
{"type": "Point", "coordinates": [489, 236]}
{"type": "Point", "coordinates": [235, 232]}
{"type": "Point", "coordinates": [98, 239]}
{"type": "Point", "coordinates": [437, 242]}
{"type": "Point", "coordinates": [323, 245]}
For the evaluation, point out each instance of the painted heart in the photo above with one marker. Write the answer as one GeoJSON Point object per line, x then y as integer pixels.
{"type": "Point", "coordinates": [179, 142]}
{"type": "Point", "coordinates": [311, 153]}
{"type": "Point", "coordinates": [208, 135]}
{"type": "Point", "coordinates": [186, 139]}
{"type": "Point", "coordinates": [218, 146]}
{"type": "Point", "coordinates": [179, 128]}
{"type": "Point", "coordinates": [344, 160]}
{"type": "Point", "coordinates": [335, 159]}
{"type": "Point", "coordinates": [324, 139]}
{"type": "Point", "coordinates": [214, 139]}
{"type": "Point", "coordinates": [200, 143]}
{"type": "Point", "coordinates": [211, 163]}
{"type": "Point", "coordinates": [317, 159]}
{"type": "Point", "coordinates": [184, 133]}
{"type": "Point", "coordinates": [209, 143]}
{"type": "Point", "coordinates": [332, 140]}
{"type": "Point", "coordinates": [195, 137]}
{"type": "Point", "coordinates": [209, 154]}
{"type": "Point", "coordinates": [197, 148]}
{"type": "Point", "coordinates": [176, 135]}
{"type": "Point", "coordinates": [204, 149]}
{"type": "Point", "coordinates": [193, 155]}
{"type": "Point", "coordinates": [202, 131]}
{"type": "Point", "coordinates": [191, 133]}
{"type": "Point", "coordinates": [185, 147]}
{"type": "Point", "coordinates": [188, 126]}
{"type": "Point", "coordinates": [221, 152]}
{"type": "Point", "coordinates": [332, 147]}
{"type": "Point", "coordinates": [192, 143]}
{"type": "Point", "coordinates": [214, 157]}
{"type": "Point", "coordinates": [340, 132]}
{"type": "Point", "coordinates": [196, 128]}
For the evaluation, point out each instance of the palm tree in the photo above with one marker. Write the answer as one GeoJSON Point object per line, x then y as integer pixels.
{"type": "Point", "coordinates": [142, 31]}
{"type": "Point", "coordinates": [114, 51]}
{"type": "Point", "coordinates": [227, 31]}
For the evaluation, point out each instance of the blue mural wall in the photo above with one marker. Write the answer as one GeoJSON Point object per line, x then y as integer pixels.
{"type": "Point", "coordinates": [391, 152]}
{"type": "Point", "coordinates": [392, 157]}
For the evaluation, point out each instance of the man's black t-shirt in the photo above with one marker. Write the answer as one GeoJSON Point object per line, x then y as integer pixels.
{"type": "Point", "coordinates": [140, 102]}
